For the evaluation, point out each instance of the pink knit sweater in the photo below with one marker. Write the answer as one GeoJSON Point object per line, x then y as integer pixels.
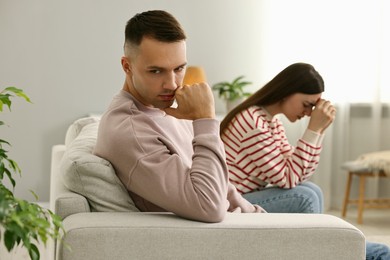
{"type": "Point", "coordinates": [168, 164]}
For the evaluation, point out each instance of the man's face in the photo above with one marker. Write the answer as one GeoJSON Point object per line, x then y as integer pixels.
{"type": "Point", "coordinates": [157, 70]}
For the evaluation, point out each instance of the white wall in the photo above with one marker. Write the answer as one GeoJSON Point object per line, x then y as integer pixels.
{"type": "Point", "coordinates": [66, 56]}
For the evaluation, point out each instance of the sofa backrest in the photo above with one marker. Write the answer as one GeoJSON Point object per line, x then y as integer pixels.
{"type": "Point", "coordinates": [89, 175]}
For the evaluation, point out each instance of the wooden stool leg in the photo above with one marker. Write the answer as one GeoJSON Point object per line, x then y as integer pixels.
{"type": "Point", "coordinates": [347, 193]}
{"type": "Point", "coordinates": [362, 182]}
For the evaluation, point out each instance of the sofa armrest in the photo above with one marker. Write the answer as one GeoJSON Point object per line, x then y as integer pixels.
{"type": "Point", "coordinates": [69, 203]}
{"type": "Point", "coordinates": [239, 236]}
{"type": "Point", "coordinates": [56, 186]}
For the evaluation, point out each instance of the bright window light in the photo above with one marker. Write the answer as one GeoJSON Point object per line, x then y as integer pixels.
{"type": "Point", "coordinates": [348, 42]}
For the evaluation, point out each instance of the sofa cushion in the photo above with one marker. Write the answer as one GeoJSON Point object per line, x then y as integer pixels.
{"type": "Point", "coordinates": [91, 176]}
{"type": "Point", "coordinates": [75, 128]}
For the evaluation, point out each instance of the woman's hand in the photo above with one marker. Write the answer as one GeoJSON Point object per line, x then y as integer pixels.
{"type": "Point", "coordinates": [322, 116]}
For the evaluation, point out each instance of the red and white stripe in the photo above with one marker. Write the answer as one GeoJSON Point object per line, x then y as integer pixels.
{"type": "Point", "coordinates": [258, 153]}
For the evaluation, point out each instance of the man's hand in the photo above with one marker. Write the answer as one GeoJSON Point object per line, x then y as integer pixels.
{"type": "Point", "coordinates": [322, 116]}
{"type": "Point", "coordinates": [193, 102]}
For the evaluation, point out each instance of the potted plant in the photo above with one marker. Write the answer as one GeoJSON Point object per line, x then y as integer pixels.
{"type": "Point", "coordinates": [232, 92]}
{"type": "Point", "coordinates": [22, 223]}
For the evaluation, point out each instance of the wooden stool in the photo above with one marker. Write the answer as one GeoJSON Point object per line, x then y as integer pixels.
{"type": "Point", "coordinates": [362, 202]}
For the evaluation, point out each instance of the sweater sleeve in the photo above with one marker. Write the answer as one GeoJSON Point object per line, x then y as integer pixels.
{"type": "Point", "coordinates": [196, 191]}
{"type": "Point", "coordinates": [168, 164]}
{"type": "Point", "coordinates": [237, 203]}
{"type": "Point", "coordinates": [299, 164]}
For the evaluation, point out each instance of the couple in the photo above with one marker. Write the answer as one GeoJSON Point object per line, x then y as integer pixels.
{"type": "Point", "coordinates": [176, 159]}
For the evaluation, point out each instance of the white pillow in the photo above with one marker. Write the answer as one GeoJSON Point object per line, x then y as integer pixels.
{"type": "Point", "coordinates": [75, 128]}
{"type": "Point", "coordinates": [91, 176]}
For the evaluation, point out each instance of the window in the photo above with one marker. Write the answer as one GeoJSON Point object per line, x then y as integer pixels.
{"type": "Point", "coordinates": [348, 42]}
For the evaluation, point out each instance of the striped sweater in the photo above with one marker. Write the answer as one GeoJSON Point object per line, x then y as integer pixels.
{"type": "Point", "coordinates": [258, 152]}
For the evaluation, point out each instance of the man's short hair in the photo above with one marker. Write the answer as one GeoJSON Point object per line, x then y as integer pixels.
{"type": "Point", "coordinates": [156, 24]}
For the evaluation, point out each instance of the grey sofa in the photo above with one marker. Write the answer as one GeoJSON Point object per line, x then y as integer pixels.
{"type": "Point", "coordinates": [101, 222]}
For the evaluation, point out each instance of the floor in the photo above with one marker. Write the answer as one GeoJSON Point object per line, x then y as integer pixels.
{"type": "Point", "coordinates": [376, 228]}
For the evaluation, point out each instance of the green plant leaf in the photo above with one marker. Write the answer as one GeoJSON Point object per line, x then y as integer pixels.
{"type": "Point", "coordinates": [9, 175]}
{"type": "Point", "coordinates": [2, 170]}
{"type": "Point", "coordinates": [14, 166]}
{"type": "Point", "coordinates": [232, 90]}
{"type": "Point", "coordinates": [9, 240]}
{"type": "Point", "coordinates": [34, 194]}
{"type": "Point", "coordinates": [5, 97]}
{"type": "Point", "coordinates": [4, 142]}
{"type": "Point", "coordinates": [19, 92]}
{"type": "Point", "coordinates": [5, 100]}
{"type": "Point", "coordinates": [23, 222]}
{"type": "Point", "coordinates": [33, 251]}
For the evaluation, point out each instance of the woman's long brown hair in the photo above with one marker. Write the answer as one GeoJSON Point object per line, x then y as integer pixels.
{"type": "Point", "coordinates": [296, 78]}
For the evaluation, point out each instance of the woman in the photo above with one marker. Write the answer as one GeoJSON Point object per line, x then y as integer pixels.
{"type": "Point", "coordinates": [258, 153]}
{"type": "Point", "coordinates": [263, 166]}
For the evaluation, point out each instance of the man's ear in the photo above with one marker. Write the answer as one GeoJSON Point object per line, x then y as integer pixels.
{"type": "Point", "coordinates": [126, 65]}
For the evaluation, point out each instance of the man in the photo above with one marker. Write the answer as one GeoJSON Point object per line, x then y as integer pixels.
{"type": "Point", "coordinates": [169, 158]}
